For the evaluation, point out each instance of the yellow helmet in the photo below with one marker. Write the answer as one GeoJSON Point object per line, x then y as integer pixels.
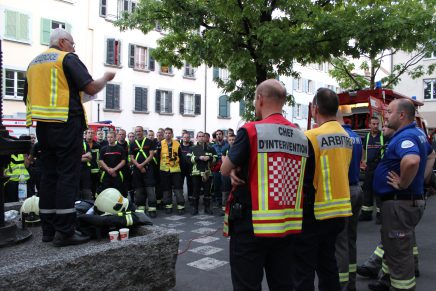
{"type": "Point", "coordinates": [30, 209]}
{"type": "Point", "coordinates": [110, 201]}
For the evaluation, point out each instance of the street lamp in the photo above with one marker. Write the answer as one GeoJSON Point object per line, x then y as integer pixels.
{"type": "Point", "coordinates": [98, 101]}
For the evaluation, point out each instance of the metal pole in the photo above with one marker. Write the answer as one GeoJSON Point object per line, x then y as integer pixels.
{"type": "Point", "coordinates": [98, 111]}
{"type": "Point", "coordinates": [205, 96]}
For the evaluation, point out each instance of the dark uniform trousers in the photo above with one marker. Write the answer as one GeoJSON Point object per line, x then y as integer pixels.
{"type": "Point", "coordinates": [186, 173]}
{"type": "Point", "coordinates": [250, 255]}
{"type": "Point", "coordinates": [399, 219]}
{"type": "Point", "coordinates": [85, 192]}
{"type": "Point", "coordinates": [315, 250]}
{"type": "Point", "coordinates": [144, 185]}
{"type": "Point", "coordinates": [62, 148]}
{"type": "Point", "coordinates": [199, 184]}
{"type": "Point", "coordinates": [169, 182]}
{"type": "Point", "coordinates": [346, 251]}
{"type": "Point", "coordinates": [107, 181]}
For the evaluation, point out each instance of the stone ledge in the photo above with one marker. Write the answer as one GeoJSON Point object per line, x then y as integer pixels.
{"type": "Point", "coordinates": [144, 262]}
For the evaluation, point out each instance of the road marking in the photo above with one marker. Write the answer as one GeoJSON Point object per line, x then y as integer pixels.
{"type": "Point", "coordinates": [206, 240]}
{"type": "Point", "coordinates": [204, 230]}
{"type": "Point", "coordinates": [204, 223]}
{"type": "Point", "coordinates": [172, 225]}
{"type": "Point", "coordinates": [207, 264]}
{"type": "Point", "coordinates": [206, 250]}
{"type": "Point", "coordinates": [174, 217]}
{"type": "Point", "coordinates": [202, 217]}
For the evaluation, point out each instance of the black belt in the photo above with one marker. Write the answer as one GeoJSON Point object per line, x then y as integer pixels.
{"type": "Point", "coordinates": [401, 197]}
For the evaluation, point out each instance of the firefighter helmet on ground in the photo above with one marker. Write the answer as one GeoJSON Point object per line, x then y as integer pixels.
{"type": "Point", "coordinates": [30, 209]}
{"type": "Point", "coordinates": [110, 201]}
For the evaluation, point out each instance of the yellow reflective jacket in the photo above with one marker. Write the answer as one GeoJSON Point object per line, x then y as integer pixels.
{"type": "Point", "coordinates": [170, 162]}
{"type": "Point", "coordinates": [333, 149]}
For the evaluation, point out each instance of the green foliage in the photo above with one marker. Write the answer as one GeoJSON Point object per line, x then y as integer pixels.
{"type": "Point", "coordinates": [254, 40]}
{"type": "Point", "coordinates": [380, 29]}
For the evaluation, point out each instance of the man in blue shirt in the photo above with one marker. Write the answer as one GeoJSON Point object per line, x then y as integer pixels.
{"type": "Point", "coordinates": [346, 241]}
{"type": "Point", "coordinates": [399, 182]}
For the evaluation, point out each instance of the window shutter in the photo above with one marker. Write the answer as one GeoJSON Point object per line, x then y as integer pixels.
{"type": "Point", "coordinates": [109, 96]}
{"type": "Point", "coordinates": [216, 73]}
{"type": "Point", "coordinates": [295, 84]}
{"type": "Point", "coordinates": [145, 99]}
{"type": "Point", "coordinates": [131, 55]}
{"type": "Point", "coordinates": [170, 102]}
{"type": "Point", "coordinates": [197, 110]}
{"type": "Point", "coordinates": [110, 51]}
{"type": "Point", "coordinates": [241, 107]}
{"type": "Point", "coordinates": [68, 27]}
{"type": "Point", "coordinates": [150, 60]}
{"type": "Point", "coordinates": [182, 104]}
{"type": "Point", "coordinates": [24, 27]}
{"type": "Point", "coordinates": [118, 52]}
{"type": "Point", "coordinates": [294, 111]}
{"type": "Point", "coordinates": [157, 101]}
{"type": "Point", "coordinates": [45, 31]}
{"type": "Point", "coordinates": [138, 98]}
{"type": "Point", "coordinates": [305, 85]}
{"type": "Point", "coordinates": [11, 24]}
{"type": "Point", "coordinates": [186, 70]}
{"type": "Point", "coordinates": [305, 111]}
{"type": "Point", "coordinates": [117, 97]}
{"type": "Point", "coordinates": [103, 8]}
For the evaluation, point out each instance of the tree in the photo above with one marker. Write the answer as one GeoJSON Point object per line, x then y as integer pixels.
{"type": "Point", "coordinates": [254, 40]}
{"type": "Point", "coordinates": [380, 29]}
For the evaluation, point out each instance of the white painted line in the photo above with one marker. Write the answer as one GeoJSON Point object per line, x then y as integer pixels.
{"type": "Point", "coordinates": [206, 240]}
{"type": "Point", "coordinates": [206, 250]}
{"type": "Point", "coordinates": [207, 264]}
{"type": "Point", "coordinates": [204, 223]}
{"type": "Point", "coordinates": [204, 230]}
{"type": "Point", "coordinates": [174, 217]}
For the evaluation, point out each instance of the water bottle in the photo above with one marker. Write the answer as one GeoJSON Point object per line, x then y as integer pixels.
{"type": "Point", "coordinates": [22, 188]}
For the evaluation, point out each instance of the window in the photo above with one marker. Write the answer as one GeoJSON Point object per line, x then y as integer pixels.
{"type": "Point", "coordinates": [14, 84]}
{"type": "Point", "coordinates": [190, 104]}
{"type": "Point", "coordinates": [158, 27]}
{"type": "Point", "coordinates": [166, 69]}
{"type": "Point", "coordinates": [305, 111]}
{"type": "Point", "coordinates": [103, 8]}
{"type": "Point", "coordinates": [47, 25]}
{"type": "Point", "coordinates": [222, 74]}
{"type": "Point", "coordinates": [189, 71]}
{"type": "Point", "coordinates": [224, 106]}
{"type": "Point", "coordinates": [164, 100]}
{"type": "Point", "coordinates": [128, 6]}
{"type": "Point", "coordinates": [140, 58]}
{"type": "Point", "coordinates": [141, 94]}
{"type": "Point", "coordinates": [298, 84]}
{"type": "Point", "coordinates": [241, 107]}
{"type": "Point", "coordinates": [112, 96]}
{"type": "Point", "coordinates": [310, 86]}
{"type": "Point", "coordinates": [113, 49]}
{"type": "Point", "coordinates": [430, 89]}
{"type": "Point", "coordinates": [17, 26]}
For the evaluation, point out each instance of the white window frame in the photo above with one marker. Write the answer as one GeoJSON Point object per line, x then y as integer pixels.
{"type": "Point", "coordinates": [188, 105]}
{"type": "Point", "coordinates": [191, 71]}
{"type": "Point", "coordinates": [432, 89]}
{"type": "Point", "coordinates": [15, 96]}
{"type": "Point", "coordinates": [163, 95]}
{"type": "Point", "coordinates": [141, 51]}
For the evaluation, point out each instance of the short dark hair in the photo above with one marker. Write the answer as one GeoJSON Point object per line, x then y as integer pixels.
{"type": "Point", "coordinates": [169, 129]}
{"type": "Point", "coordinates": [327, 102]}
{"type": "Point", "coordinates": [219, 130]}
{"type": "Point", "coordinates": [408, 107]}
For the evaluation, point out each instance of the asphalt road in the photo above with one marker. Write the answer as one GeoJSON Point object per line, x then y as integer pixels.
{"type": "Point", "coordinates": [203, 260]}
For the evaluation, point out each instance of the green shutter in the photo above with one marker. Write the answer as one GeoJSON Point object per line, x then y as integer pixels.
{"type": "Point", "coordinates": [68, 27]}
{"type": "Point", "coordinates": [45, 31]}
{"type": "Point", "coordinates": [11, 24]}
{"type": "Point", "coordinates": [23, 27]}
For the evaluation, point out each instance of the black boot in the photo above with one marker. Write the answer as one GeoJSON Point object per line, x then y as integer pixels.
{"type": "Point", "coordinates": [62, 240]}
{"type": "Point", "coordinates": [371, 267]}
{"type": "Point", "coordinates": [365, 216]}
{"type": "Point", "coordinates": [382, 284]}
{"type": "Point", "coordinates": [194, 207]}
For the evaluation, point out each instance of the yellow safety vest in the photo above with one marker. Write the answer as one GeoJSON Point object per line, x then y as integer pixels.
{"type": "Point", "coordinates": [48, 96]}
{"type": "Point", "coordinates": [16, 168]}
{"type": "Point", "coordinates": [333, 149]}
{"type": "Point", "coordinates": [166, 164]}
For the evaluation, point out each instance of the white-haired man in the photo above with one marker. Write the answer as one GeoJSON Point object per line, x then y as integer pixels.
{"type": "Point", "coordinates": [54, 82]}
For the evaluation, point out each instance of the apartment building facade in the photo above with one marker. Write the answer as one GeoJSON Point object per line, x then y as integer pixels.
{"type": "Point", "coordinates": [144, 91]}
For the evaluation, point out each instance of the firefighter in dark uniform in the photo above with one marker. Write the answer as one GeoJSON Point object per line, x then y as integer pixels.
{"type": "Point", "coordinates": [186, 165]}
{"type": "Point", "coordinates": [85, 173]}
{"type": "Point", "coordinates": [35, 157]}
{"type": "Point", "coordinates": [372, 144]}
{"type": "Point", "coordinates": [141, 155]}
{"type": "Point", "coordinates": [346, 252]}
{"type": "Point", "coordinates": [170, 172]}
{"type": "Point", "coordinates": [399, 182]}
{"type": "Point", "coordinates": [202, 158]}
{"type": "Point", "coordinates": [95, 153]}
{"type": "Point", "coordinates": [112, 161]}
{"type": "Point", "coordinates": [127, 173]}
{"type": "Point", "coordinates": [265, 210]}
{"type": "Point", "coordinates": [53, 82]}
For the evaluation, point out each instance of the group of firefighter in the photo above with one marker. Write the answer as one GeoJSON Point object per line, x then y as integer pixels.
{"type": "Point", "coordinates": [150, 168]}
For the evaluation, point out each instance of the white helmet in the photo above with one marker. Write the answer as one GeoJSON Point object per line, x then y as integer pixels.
{"type": "Point", "coordinates": [30, 209]}
{"type": "Point", "coordinates": [111, 201]}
